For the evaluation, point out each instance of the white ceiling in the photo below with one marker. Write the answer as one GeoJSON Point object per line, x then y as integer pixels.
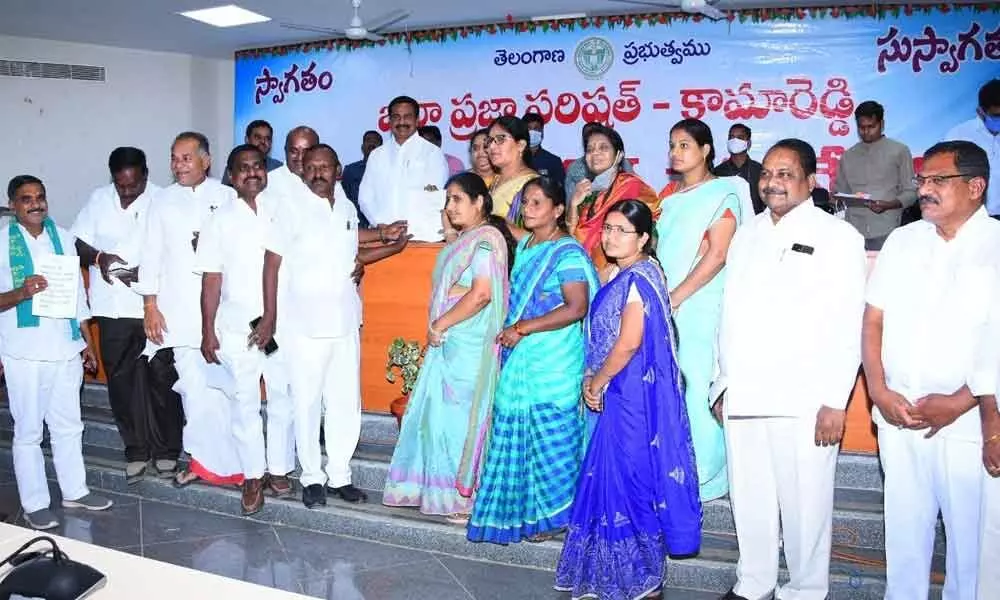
{"type": "Point", "coordinates": [154, 24]}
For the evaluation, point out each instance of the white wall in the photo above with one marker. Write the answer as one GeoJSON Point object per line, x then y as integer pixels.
{"type": "Point", "coordinates": [62, 131]}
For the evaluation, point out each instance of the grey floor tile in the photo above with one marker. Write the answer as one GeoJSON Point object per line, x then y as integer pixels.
{"type": "Point", "coordinates": [255, 558]}
{"type": "Point", "coordinates": [168, 523]}
{"type": "Point", "coordinates": [316, 554]}
{"type": "Point", "coordinates": [416, 581]}
{"type": "Point", "coordinates": [117, 527]}
{"type": "Point", "coordinates": [490, 581]}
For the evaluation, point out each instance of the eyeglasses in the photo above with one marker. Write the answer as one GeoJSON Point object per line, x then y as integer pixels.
{"type": "Point", "coordinates": [497, 139]}
{"type": "Point", "coordinates": [935, 180]}
{"type": "Point", "coordinates": [780, 176]}
{"type": "Point", "coordinates": [616, 230]}
{"type": "Point", "coordinates": [600, 148]}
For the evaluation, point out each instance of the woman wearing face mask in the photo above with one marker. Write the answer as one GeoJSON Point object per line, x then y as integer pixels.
{"type": "Point", "coordinates": [536, 440]}
{"type": "Point", "coordinates": [605, 152]}
{"type": "Point", "coordinates": [507, 147]}
{"type": "Point", "coordinates": [479, 158]}
{"type": "Point", "coordinates": [694, 231]}
{"type": "Point", "coordinates": [436, 463]}
{"type": "Point", "coordinates": [639, 499]}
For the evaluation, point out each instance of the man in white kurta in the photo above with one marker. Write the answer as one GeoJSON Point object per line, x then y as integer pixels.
{"type": "Point", "coordinates": [787, 376]}
{"type": "Point", "coordinates": [313, 247]}
{"type": "Point", "coordinates": [929, 296]}
{"type": "Point", "coordinates": [147, 412]}
{"type": "Point", "coordinates": [286, 180]}
{"type": "Point", "coordinates": [404, 179]}
{"type": "Point", "coordinates": [171, 292]}
{"type": "Point", "coordinates": [989, 538]}
{"type": "Point", "coordinates": [231, 259]}
{"type": "Point", "coordinates": [41, 358]}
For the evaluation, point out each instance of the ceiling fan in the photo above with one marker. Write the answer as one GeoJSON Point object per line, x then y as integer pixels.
{"type": "Point", "coordinates": [357, 29]}
{"type": "Point", "coordinates": [702, 7]}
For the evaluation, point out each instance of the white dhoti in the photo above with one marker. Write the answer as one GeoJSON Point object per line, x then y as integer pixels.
{"type": "Point", "coordinates": [325, 376]}
{"type": "Point", "coordinates": [989, 540]}
{"type": "Point", "coordinates": [247, 366]}
{"type": "Point", "coordinates": [207, 418]}
{"type": "Point", "coordinates": [923, 477]}
{"type": "Point", "coordinates": [43, 392]}
{"type": "Point", "coordinates": [781, 489]}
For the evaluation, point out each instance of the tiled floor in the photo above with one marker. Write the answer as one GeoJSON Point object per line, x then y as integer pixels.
{"type": "Point", "coordinates": [319, 565]}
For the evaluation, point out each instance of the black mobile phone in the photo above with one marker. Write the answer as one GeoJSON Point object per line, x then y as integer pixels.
{"type": "Point", "coordinates": [271, 346]}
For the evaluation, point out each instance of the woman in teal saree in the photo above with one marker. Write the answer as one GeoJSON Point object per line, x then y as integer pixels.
{"type": "Point", "coordinates": [437, 459]}
{"type": "Point", "coordinates": [537, 436]}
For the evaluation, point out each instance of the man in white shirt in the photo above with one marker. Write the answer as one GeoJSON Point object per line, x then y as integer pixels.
{"type": "Point", "coordinates": [171, 292]}
{"type": "Point", "coordinates": [146, 410]}
{"type": "Point", "coordinates": [984, 131]}
{"type": "Point", "coordinates": [931, 292]}
{"type": "Point", "coordinates": [315, 246]}
{"type": "Point", "coordinates": [787, 379]}
{"type": "Point", "coordinates": [989, 538]}
{"type": "Point", "coordinates": [404, 172]}
{"type": "Point", "coordinates": [286, 180]}
{"type": "Point", "coordinates": [42, 358]}
{"type": "Point", "coordinates": [231, 259]}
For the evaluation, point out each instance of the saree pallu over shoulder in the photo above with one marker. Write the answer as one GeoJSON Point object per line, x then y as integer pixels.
{"type": "Point", "coordinates": [438, 458]}
{"type": "Point", "coordinates": [507, 197]}
{"type": "Point", "coordinates": [536, 440]}
{"type": "Point", "coordinates": [637, 498]}
{"type": "Point", "coordinates": [625, 187]}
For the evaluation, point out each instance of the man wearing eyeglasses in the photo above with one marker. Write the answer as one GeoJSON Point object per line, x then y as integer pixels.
{"type": "Point", "coordinates": [932, 292]}
{"type": "Point", "coordinates": [404, 178]}
{"type": "Point", "coordinates": [874, 178]}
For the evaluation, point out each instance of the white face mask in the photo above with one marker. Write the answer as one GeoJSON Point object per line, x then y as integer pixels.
{"type": "Point", "coordinates": [602, 181]}
{"type": "Point", "coordinates": [534, 138]}
{"type": "Point", "coordinates": [737, 146]}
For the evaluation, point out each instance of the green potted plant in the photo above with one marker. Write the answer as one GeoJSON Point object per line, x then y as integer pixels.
{"type": "Point", "coordinates": [404, 357]}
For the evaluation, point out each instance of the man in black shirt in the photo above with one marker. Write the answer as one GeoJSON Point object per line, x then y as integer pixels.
{"type": "Point", "coordinates": [543, 161]}
{"type": "Point", "coordinates": [740, 163]}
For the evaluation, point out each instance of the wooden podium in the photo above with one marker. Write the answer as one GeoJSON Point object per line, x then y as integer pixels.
{"type": "Point", "coordinates": [396, 297]}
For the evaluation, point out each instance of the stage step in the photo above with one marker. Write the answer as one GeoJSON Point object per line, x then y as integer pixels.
{"type": "Point", "coordinates": [858, 529]}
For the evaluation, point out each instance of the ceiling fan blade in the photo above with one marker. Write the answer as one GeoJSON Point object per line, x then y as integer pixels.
{"type": "Point", "coordinates": [387, 20]}
{"type": "Point", "coordinates": [314, 29]}
{"type": "Point", "coordinates": [373, 37]}
{"type": "Point", "coordinates": [713, 13]}
{"type": "Point", "coordinates": [645, 3]}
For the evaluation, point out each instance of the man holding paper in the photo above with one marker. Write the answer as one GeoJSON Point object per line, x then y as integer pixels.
{"type": "Point", "coordinates": [314, 247]}
{"type": "Point", "coordinates": [42, 308]}
{"type": "Point", "coordinates": [231, 259]}
{"type": "Point", "coordinates": [404, 179]}
{"type": "Point", "coordinates": [172, 317]}
{"type": "Point", "coordinates": [875, 178]}
{"type": "Point", "coordinates": [147, 412]}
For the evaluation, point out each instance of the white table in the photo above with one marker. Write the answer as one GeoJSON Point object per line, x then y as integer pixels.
{"type": "Point", "coordinates": [132, 577]}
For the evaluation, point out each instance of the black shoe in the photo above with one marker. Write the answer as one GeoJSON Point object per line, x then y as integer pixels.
{"type": "Point", "coordinates": [313, 494]}
{"type": "Point", "coordinates": [731, 595]}
{"type": "Point", "coordinates": [349, 493]}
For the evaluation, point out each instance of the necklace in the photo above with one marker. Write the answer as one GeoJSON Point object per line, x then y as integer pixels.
{"type": "Point", "coordinates": [499, 180]}
{"type": "Point", "coordinates": [534, 241]}
{"type": "Point", "coordinates": [697, 183]}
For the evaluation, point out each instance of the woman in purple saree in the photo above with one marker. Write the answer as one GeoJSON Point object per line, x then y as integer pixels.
{"type": "Point", "coordinates": [637, 499]}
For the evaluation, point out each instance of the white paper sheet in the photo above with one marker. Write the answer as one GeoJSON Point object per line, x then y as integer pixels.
{"type": "Point", "coordinates": [58, 300]}
{"type": "Point", "coordinates": [423, 210]}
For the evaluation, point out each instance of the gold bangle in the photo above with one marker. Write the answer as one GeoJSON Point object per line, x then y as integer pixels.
{"type": "Point", "coordinates": [993, 438]}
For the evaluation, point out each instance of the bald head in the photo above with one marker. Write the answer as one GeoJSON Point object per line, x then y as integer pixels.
{"type": "Point", "coordinates": [297, 142]}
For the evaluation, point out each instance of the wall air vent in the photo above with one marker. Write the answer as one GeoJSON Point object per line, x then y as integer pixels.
{"type": "Point", "coordinates": [44, 70]}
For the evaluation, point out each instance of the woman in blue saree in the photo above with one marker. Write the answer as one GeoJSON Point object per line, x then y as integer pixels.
{"type": "Point", "coordinates": [438, 456]}
{"type": "Point", "coordinates": [637, 500]}
{"type": "Point", "coordinates": [536, 440]}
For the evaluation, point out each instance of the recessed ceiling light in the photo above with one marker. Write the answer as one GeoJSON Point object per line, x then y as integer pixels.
{"type": "Point", "coordinates": [229, 15]}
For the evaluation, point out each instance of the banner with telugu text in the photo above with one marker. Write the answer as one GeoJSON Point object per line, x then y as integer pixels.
{"type": "Point", "coordinates": [784, 78]}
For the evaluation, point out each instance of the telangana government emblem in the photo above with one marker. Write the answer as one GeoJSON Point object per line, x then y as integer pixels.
{"type": "Point", "coordinates": [593, 57]}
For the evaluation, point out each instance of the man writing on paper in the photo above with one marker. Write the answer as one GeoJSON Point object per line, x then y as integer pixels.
{"type": "Point", "coordinates": [315, 248]}
{"type": "Point", "coordinates": [231, 259]}
{"type": "Point", "coordinates": [41, 356]}
{"type": "Point", "coordinates": [172, 317]}
{"type": "Point", "coordinates": [875, 178]}
{"type": "Point", "coordinates": [147, 412]}
{"type": "Point", "coordinates": [787, 379]}
{"type": "Point", "coordinates": [931, 293]}
{"type": "Point", "coordinates": [404, 179]}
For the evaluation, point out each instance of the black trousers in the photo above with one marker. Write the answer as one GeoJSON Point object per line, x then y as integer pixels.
{"type": "Point", "coordinates": [147, 411]}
